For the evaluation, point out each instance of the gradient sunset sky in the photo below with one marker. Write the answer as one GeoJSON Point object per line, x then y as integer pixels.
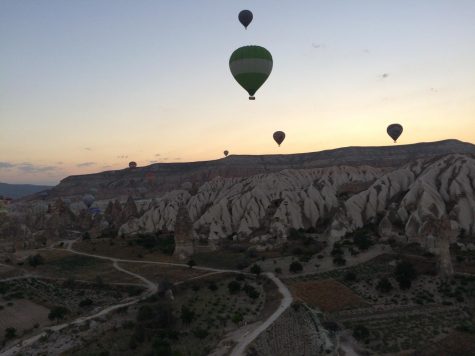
{"type": "Point", "coordinates": [89, 85]}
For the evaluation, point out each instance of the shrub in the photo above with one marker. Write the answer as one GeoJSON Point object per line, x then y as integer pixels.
{"type": "Point", "coordinates": [234, 287]}
{"type": "Point", "coordinates": [36, 260]}
{"type": "Point", "coordinates": [384, 285]}
{"type": "Point", "coordinates": [350, 276]}
{"type": "Point", "coordinates": [10, 333]}
{"type": "Point", "coordinates": [237, 318]}
{"type": "Point", "coordinates": [85, 302]}
{"type": "Point", "coordinates": [295, 267]}
{"type": "Point", "coordinates": [187, 315]}
{"type": "Point", "coordinates": [200, 333]}
{"type": "Point", "coordinates": [213, 286]}
{"type": "Point", "coordinates": [256, 269]}
{"type": "Point", "coordinates": [57, 313]}
{"type": "Point", "coordinates": [405, 273]}
{"type": "Point", "coordinates": [191, 263]}
{"type": "Point", "coordinates": [339, 261]}
{"type": "Point", "coordinates": [145, 313]}
{"type": "Point", "coordinates": [363, 242]}
{"type": "Point", "coordinates": [360, 333]}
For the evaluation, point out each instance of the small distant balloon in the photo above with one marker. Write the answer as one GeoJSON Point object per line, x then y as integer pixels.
{"type": "Point", "coordinates": [88, 199]}
{"type": "Point", "coordinates": [279, 137]}
{"type": "Point", "coordinates": [226, 153]}
{"type": "Point", "coordinates": [245, 18]}
{"type": "Point", "coordinates": [394, 131]}
{"type": "Point", "coordinates": [132, 164]}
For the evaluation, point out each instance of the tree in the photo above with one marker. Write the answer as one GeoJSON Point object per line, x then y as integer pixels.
{"type": "Point", "coordinates": [213, 286]}
{"type": "Point", "coordinates": [237, 318]}
{"type": "Point", "coordinates": [405, 273]}
{"type": "Point", "coordinates": [363, 242]}
{"type": "Point", "coordinates": [99, 281]}
{"type": "Point", "coordinates": [191, 263]}
{"type": "Point", "coordinates": [162, 347]}
{"type": "Point", "coordinates": [145, 313]}
{"type": "Point", "coordinates": [339, 261]}
{"type": "Point", "coordinates": [350, 276]}
{"type": "Point", "coordinates": [35, 260]}
{"type": "Point", "coordinates": [234, 287]}
{"type": "Point", "coordinates": [85, 302]}
{"type": "Point", "coordinates": [10, 333]}
{"type": "Point", "coordinates": [57, 313]}
{"type": "Point", "coordinates": [360, 333]}
{"type": "Point", "coordinates": [295, 267]}
{"type": "Point", "coordinates": [384, 285]}
{"type": "Point", "coordinates": [187, 315]}
{"type": "Point", "coordinates": [256, 269]}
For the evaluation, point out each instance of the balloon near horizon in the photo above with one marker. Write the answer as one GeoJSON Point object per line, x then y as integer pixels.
{"type": "Point", "coordinates": [394, 131]}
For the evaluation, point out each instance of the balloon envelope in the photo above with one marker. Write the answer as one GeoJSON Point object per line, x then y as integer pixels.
{"type": "Point", "coordinates": [88, 199]}
{"type": "Point", "coordinates": [394, 131]}
{"type": "Point", "coordinates": [132, 164]}
{"type": "Point", "coordinates": [245, 17]}
{"type": "Point", "coordinates": [226, 153]}
{"type": "Point", "coordinates": [279, 137]}
{"type": "Point", "coordinates": [251, 66]}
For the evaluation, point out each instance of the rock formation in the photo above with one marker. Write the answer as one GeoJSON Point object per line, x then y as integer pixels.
{"type": "Point", "coordinates": [183, 234]}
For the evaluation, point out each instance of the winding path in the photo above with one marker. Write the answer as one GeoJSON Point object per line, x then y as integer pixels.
{"type": "Point", "coordinates": [247, 339]}
{"type": "Point", "coordinates": [242, 342]}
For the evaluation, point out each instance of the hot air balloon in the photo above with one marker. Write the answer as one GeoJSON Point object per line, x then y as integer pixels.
{"type": "Point", "coordinates": [245, 17]}
{"type": "Point", "coordinates": [279, 137]}
{"type": "Point", "coordinates": [226, 153]}
{"type": "Point", "coordinates": [88, 199]}
{"type": "Point", "coordinates": [394, 131]}
{"type": "Point", "coordinates": [132, 165]}
{"type": "Point", "coordinates": [251, 66]}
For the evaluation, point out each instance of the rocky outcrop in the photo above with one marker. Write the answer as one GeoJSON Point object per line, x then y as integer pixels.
{"type": "Point", "coordinates": [183, 234]}
{"type": "Point", "coordinates": [405, 203]}
{"type": "Point", "coordinates": [262, 204]}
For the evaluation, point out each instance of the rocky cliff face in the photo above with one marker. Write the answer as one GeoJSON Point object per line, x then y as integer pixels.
{"type": "Point", "coordinates": [158, 179]}
{"type": "Point", "coordinates": [420, 201]}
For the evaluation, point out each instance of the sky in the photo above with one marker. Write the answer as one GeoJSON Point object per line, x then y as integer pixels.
{"type": "Point", "coordinates": [87, 86]}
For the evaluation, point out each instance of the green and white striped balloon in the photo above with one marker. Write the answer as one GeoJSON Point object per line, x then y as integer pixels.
{"type": "Point", "coordinates": [251, 66]}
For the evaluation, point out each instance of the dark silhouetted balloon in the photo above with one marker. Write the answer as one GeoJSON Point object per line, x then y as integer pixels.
{"type": "Point", "coordinates": [132, 164]}
{"type": "Point", "coordinates": [394, 131]}
{"type": "Point", "coordinates": [245, 17]}
{"type": "Point", "coordinates": [279, 137]}
{"type": "Point", "coordinates": [88, 199]}
{"type": "Point", "coordinates": [251, 66]}
{"type": "Point", "coordinates": [226, 153]}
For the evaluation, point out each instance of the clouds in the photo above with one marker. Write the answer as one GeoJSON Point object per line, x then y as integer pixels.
{"type": "Point", "coordinates": [122, 157]}
{"type": "Point", "coordinates": [157, 154]}
{"type": "Point", "coordinates": [87, 148]}
{"type": "Point", "coordinates": [27, 167]}
{"type": "Point", "coordinates": [86, 164]}
{"type": "Point", "coordinates": [318, 45]}
{"type": "Point", "coordinates": [152, 162]}
{"type": "Point", "coordinates": [6, 165]}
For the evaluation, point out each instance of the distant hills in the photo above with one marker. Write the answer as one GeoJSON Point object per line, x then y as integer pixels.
{"type": "Point", "coordinates": [16, 191]}
{"type": "Point", "coordinates": [156, 179]}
